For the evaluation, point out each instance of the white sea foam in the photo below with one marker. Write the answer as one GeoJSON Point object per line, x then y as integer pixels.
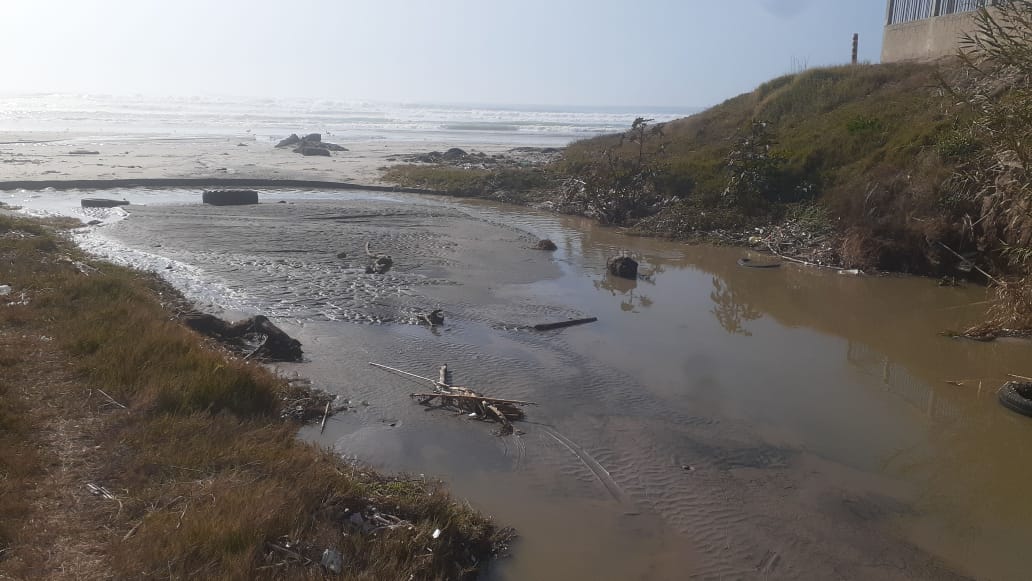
{"type": "Point", "coordinates": [195, 284]}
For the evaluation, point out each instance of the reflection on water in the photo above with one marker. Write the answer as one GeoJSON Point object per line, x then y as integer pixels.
{"type": "Point", "coordinates": [716, 422]}
{"type": "Point", "coordinates": [730, 311]}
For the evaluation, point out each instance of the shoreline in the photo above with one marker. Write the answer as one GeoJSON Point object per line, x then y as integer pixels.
{"type": "Point", "coordinates": [106, 184]}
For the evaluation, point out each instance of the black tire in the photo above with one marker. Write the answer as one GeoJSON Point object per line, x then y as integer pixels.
{"type": "Point", "coordinates": [101, 203]}
{"type": "Point", "coordinates": [1017, 397]}
{"type": "Point", "coordinates": [230, 197]}
{"type": "Point", "coordinates": [748, 263]}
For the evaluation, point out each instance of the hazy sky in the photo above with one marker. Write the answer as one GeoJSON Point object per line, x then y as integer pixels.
{"type": "Point", "coordinates": [580, 52]}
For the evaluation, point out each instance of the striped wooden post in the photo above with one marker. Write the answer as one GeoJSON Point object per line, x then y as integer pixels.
{"type": "Point", "coordinates": [856, 47]}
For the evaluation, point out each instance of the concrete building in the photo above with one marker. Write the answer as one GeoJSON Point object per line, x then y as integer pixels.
{"type": "Point", "coordinates": [923, 30]}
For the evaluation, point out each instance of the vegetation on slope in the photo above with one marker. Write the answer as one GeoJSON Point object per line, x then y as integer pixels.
{"type": "Point", "coordinates": [206, 479]}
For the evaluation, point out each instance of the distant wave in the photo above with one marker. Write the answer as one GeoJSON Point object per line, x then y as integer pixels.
{"type": "Point", "coordinates": [270, 119]}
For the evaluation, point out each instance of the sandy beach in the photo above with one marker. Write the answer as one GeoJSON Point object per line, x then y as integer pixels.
{"type": "Point", "coordinates": [65, 156]}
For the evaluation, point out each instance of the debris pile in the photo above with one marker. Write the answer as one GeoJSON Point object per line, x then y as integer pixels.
{"type": "Point", "coordinates": [462, 399]}
{"type": "Point", "coordinates": [795, 241]}
{"type": "Point", "coordinates": [306, 404]}
{"type": "Point", "coordinates": [456, 157]}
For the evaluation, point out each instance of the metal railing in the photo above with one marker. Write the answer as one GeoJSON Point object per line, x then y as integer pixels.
{"type": "Point", "coordinates": [901, 11]}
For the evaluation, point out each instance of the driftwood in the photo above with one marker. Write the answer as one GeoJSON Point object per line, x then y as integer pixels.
{"type": "Point", "coordinates": [472, 395]}
{"type": "Point", "coordinates": [463, 399]}
{"type": "Point", "coordinates": [273, 343]}
{"type": "Point", "coordinates": [564, 324]}
{"type": "Point", "coordinates": [325, 414]}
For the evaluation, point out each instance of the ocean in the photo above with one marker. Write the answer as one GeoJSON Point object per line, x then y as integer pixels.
{"type": "Point", "coordinates": [347, 120]}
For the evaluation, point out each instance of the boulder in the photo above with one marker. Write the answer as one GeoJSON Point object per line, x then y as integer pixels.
{"type": "Point", "coordinates": [334, 146]}
{"type": "Point", "coordinates": [546, 244]}
{"type": "Point", "coordinates": [292, 140]}
{"type": "Point", "coordinates": [454, 154]}
{"type": "Point", "coordinates": [623, 266]}
{"type": "Point", "coordinates": [274, 344]}
{"type": "Point", "coordinates": [312, 138]}
{"type": "Point", "coordinates": [313, 150]}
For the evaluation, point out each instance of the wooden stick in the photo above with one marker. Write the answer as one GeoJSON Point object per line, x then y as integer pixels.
{"type": "Point", "coordinates": [564, 324]}
{"type": "Point", "coordinates": [798, 261]}
{"type": "Point", "coordinates": [973, 265]}
{"type": "Point", "coordinates": [506, 424]}
{"type": "Point", "coordinates": [1022, 377]}
{"type": "Point", "coordinates": [111, 399]}
{"type": "Point", "coordinates": [444, 375]}
{"type": "Point", "coordinates": [326, 413]}
{"type": "Point", "coordinates": [403, 372]}
{"type": "Point", "coordinates": [265, 339]}
{"type": "Point", "coordinates": [490, 400]}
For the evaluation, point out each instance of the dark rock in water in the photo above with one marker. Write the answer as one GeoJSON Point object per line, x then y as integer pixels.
{"type": "Point", "coordinates": [380, 265]}
{"type": "Point", "coordinates": [292, 140]}
{"type": "Point", "coordinates": [230, 197]}
{"type": "Point", "coordinates": [433, 319]}
{"type": "Point", "coordinates": [342, 255]}
{"type": "Point", "coordinates": [273, 343]}
{"type": "Point", "coordinates": [624, 267]}
{"type": "Point", "coordinates": [454, 154]}
{"type": "Point", "coordinates": [282, 202]}
{"type": "Point", "coordinates": [546, 244]}
{"type": "Point", "coordinates": [102, 203]}
{"type": "Point", "coordinates": [313, 150]}
{"type": "Point", "coordinates": [83, 152]}
{"type": "Point", "coordinates": [94, 223]}
{"type": "Point", "coordinates": [334, 146]}
{"type": "Point", "coordinates": [241, 145]}
{"type": "Point", "coordinates": [312, 138]}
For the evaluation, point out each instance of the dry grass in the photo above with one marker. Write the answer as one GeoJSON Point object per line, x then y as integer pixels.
{"type": "Point", "coordinates": [205, 472]}
{"type": "Point", "coordinates": [20, 461]}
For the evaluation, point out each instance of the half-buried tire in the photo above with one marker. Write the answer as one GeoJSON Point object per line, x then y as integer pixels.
{"type": "Point", "coordinates": [230, 197]}
{"type": "Point", "coordinates": [1017, 397]}
{"type": "Point", "coordinates": [102, 203]}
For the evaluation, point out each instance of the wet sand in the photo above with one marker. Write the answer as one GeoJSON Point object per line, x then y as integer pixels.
{"type": "Point", "coordinates": [50, 156]}
{"type": "Point", "coordinates": [716, 423]}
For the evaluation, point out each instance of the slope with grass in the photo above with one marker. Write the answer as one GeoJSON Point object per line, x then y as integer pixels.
{"type": "Point", "coordinates": [864, 154]}
{"type": "Point", "coordinates": [201, 476]}
{"type": "Point", "coordinates": [871, 147]}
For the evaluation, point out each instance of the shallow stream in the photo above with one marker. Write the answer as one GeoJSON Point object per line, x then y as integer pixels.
{"type": "Point", "coordinates": [717, 422]}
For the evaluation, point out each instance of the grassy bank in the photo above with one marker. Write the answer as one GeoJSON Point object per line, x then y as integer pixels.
{"type": "Point", "coordinates": [864, 151]}
{"type": "Point", "coordinates": [100, 385]}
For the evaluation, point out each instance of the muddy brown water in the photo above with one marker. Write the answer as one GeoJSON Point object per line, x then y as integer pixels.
{"type": "Point", "coordinates": [717, 422]}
